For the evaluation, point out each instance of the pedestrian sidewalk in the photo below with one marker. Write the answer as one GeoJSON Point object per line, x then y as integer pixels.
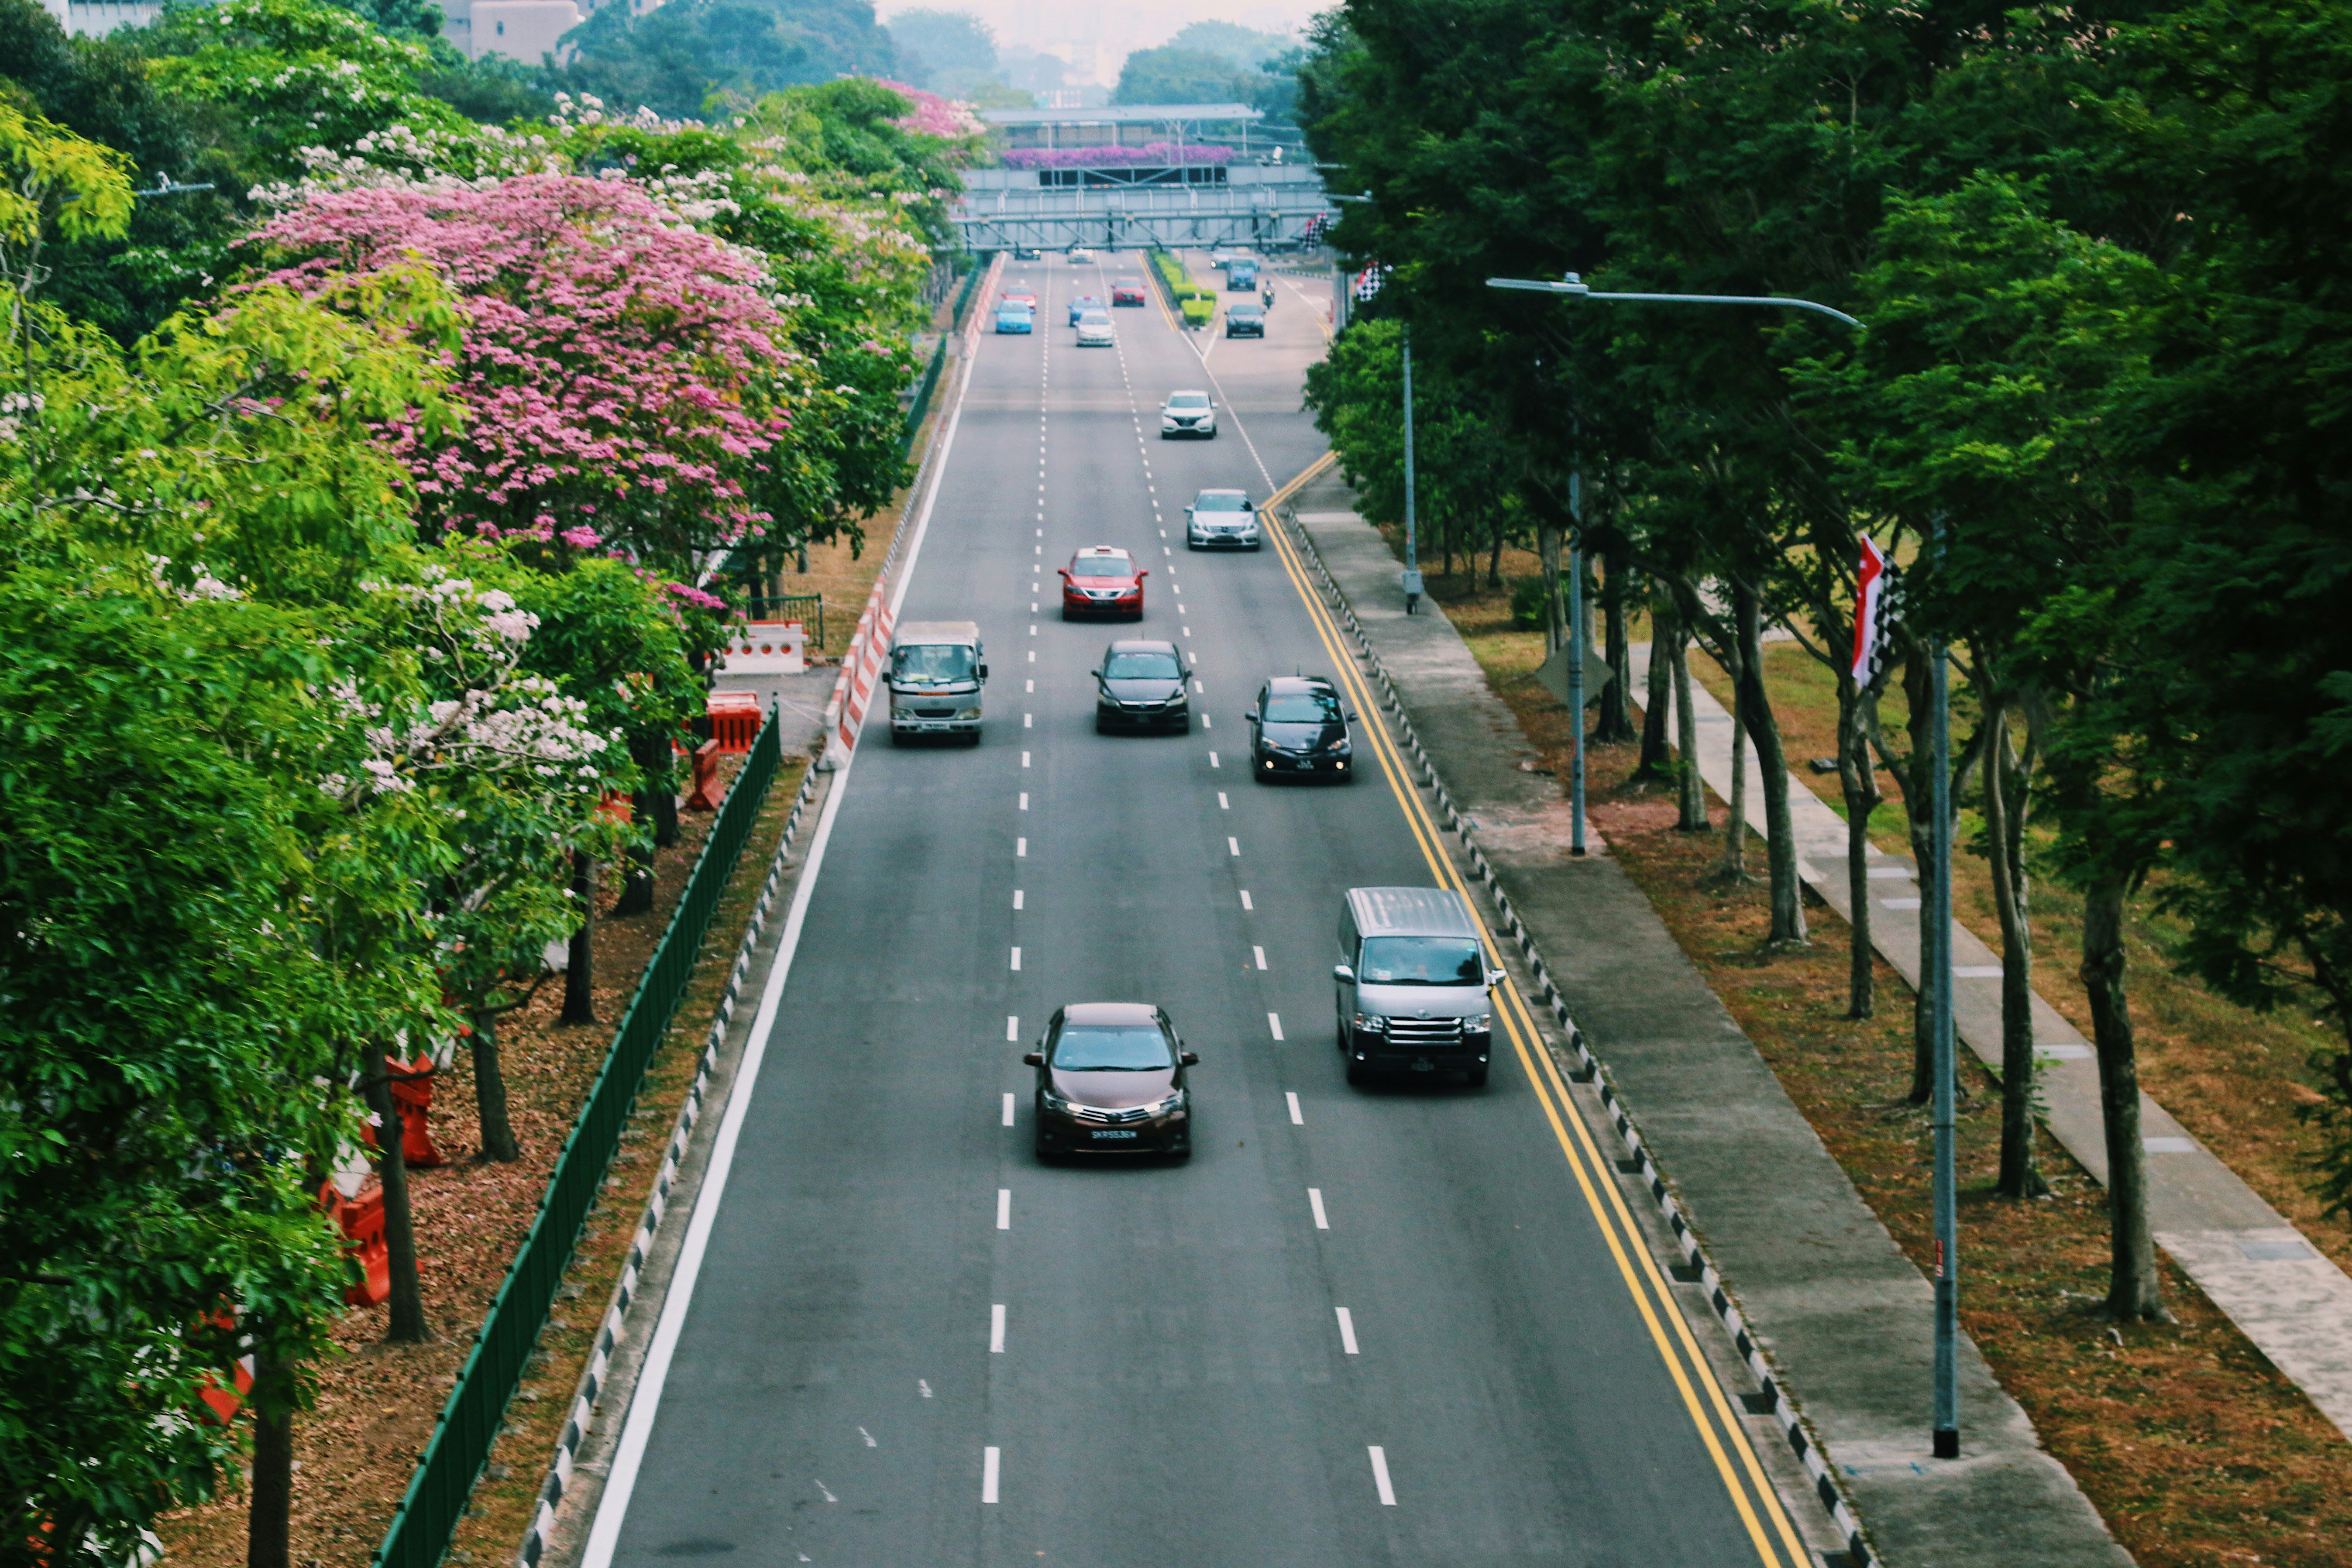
{"type": "Point", "coordinates": [2288, 1297]}
{"type": "Point", "coordinates": [1841, 1316]}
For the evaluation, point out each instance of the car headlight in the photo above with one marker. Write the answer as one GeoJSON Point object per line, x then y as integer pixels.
{"type": "Point", "coordinates": [1054, 1100]}
{"type": "Point", "coordinates": [1345, 748]}
{"type": "Point", "coordinates": [1172, 1106]}
{"type": "Point", "coordinates": [967, 712]}
{"type": "Point", "coordinates": [1372, 1024]}
{"type": "Point", "coordinates": [1479, 1024]}
{"type": "Point", "coordinates": [902, 713]}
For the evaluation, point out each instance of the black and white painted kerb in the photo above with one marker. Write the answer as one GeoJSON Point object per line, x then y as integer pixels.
{"type": "Point", "coordinates": [610, 1332]}
{"type": "Point", "coordinates": [1588, 1069]}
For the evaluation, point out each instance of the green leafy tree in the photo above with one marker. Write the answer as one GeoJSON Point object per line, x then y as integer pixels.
{"type": "Point", "coordinates": [676, 59]}
{"type": "Point", "coordinates": [1173, 75]}
{"type": "Point", "coordinates": [957, 49]}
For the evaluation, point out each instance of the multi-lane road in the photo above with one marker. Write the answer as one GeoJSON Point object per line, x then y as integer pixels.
{"type": "Point", "coordinates": [1412, 1324]}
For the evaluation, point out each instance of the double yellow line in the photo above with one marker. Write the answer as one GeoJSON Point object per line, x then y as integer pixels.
{"type": "Point", "coordinates": [1752, 1494]}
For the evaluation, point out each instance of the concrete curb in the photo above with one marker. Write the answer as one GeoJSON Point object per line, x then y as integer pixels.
{"type": "Point", "coordinates": [1590, 1069]}
{"type": "Point", "coordinates": [616, 1313]}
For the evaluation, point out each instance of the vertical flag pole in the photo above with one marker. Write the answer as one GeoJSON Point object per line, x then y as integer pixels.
{"type": "Point", "coordinates": [1576, 657]}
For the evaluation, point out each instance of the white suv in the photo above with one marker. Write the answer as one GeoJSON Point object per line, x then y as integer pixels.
{"type": "Point", "coordinates": [1188, 414]}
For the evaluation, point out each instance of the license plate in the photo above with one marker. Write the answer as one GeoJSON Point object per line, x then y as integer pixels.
{"type": "Point", "coordinates": [1424, 1065]}
{"type": "Point", "coordinates": [1112, 1132]}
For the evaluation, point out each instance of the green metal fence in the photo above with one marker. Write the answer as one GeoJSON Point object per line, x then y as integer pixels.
{"type": "Point", "coordinates": [477, 1407]}
{"type": "Point", "coordinates": [806, 608]}
{"type": "Point", "coordinates": [929, 384]}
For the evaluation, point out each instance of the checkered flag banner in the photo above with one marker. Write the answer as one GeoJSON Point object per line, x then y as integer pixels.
{"type": "Point", "coordinates": [1368, 282]}
{"type": "Point", "coordinates": [1876, 608]}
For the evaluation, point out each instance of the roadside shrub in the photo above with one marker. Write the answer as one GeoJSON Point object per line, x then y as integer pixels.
{"type": "Point", "coordinates": [1200, 310]}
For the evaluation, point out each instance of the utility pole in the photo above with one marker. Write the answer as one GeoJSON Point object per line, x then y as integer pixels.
{"type": "Point", "coordinates": [1939, 978]}
{"type": "Point", "coordinates": [1576, 641]}
{"type": "Point", "coordinates": [1412, 559]}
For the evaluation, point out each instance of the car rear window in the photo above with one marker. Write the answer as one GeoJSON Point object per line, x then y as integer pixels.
{"type": "Point", "coordinates": [1112, 1048]}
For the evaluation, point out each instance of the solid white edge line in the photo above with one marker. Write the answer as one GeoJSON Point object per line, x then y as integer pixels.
{"type": "Point", "coordinates": [644, 1400]}
{"type": "Point", "coordinates": [1379, 1474]}
{"type": "Point", "coordinates": [644, 1403]}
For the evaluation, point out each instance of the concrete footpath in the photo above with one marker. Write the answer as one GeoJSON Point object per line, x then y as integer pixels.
{"type": "Point", "coordinates": [2285, 1294]}
{"type": "Point", "coordinates": [1840, 1315]}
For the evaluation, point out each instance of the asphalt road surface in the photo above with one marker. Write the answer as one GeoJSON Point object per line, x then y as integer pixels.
{"type": "Point", "coordinates": [1385, 1325]}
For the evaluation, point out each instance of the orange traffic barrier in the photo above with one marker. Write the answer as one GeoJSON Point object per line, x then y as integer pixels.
{"type": "Point", "coordinates": [734, 718]}
{"type": "Point", "coordinates": [222, 1401]}
{"type": "Point", "coordinates": [412, 1086]}
{"type": "Point", "coordinates": [706, 778]}
{"type": "Point", "coordinates": [360, 1220]}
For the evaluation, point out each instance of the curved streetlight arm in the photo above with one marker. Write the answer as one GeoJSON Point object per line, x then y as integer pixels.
{"type": "Point", "coordinates": [1577, 290]}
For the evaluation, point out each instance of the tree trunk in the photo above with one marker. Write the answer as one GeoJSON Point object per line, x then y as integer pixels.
{"type": "Point", "coordinates": [1615, 726]}
{"type": "Point", "coordinates": [665, 797]}
{"type": "Point", "coordinates": [1690, 786]}
{"type": "Point", "coordinates": [580, 968]}
{"type": "Point", "coordinates": [637, 881]}
{"type": "Point", "coordinates": [1735, 826]}
{"type": "Point", "coordinates": [1657, 703]}
{"type": "Point", "coordinates": [1787, 896]}
{"type": "Point", "coordinates": [407, 1304]}
{"type": "Point", "coordinates": [498, 1142]}
{"type": "Point", "coordinates": [269, 1510]}
{"type": "Point", "coordinates": [1495, 558]}
{"type": "Point", "coordinates": [1549, 539]}
{"type": "Point", "coordinates": [2132, 1293]}
{"type": "Point", "coordinates": [1917, 792]}
{"type": "Point", "coordinates": [2004, 815]}
{"type": "Point", "coordinates": [1858, 782]}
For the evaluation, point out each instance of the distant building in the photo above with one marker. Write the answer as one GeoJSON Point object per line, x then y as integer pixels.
{"type": "Point", "coordinates": [95, 21]}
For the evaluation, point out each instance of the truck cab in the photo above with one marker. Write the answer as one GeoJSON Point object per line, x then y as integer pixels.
{"type": "Point", "coordinates": [935, 675]}
{"type": "Point", "coordinates": [1415, 985]}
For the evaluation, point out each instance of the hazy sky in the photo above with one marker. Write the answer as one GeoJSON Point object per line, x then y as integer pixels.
{"type": "Point", "coordinates": [1097, 34]}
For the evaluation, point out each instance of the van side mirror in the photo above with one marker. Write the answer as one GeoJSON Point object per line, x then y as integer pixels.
{"type": "Point", "coordinates": [1033, 1058]}
{"type": "Point", "coordinates": [983, 674]}
{"type": "Point", "coordinates": [1187, 1058]}
{"type": "Point", "coordinates": [1495, 978]}
{"type": "Point", "coordinates": [1343, 974]}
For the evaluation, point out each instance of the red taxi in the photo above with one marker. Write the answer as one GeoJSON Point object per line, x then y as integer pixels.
{"type": "Point", "coordinates": [1102, 580]}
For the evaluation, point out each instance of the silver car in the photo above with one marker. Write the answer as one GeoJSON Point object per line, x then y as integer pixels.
{"type": "Point", "coordinates": [1095, 332]}
{"type": "Point", "coordinates": [1222, 520]}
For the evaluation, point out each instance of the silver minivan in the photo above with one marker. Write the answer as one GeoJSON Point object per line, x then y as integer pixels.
{"type": "Point", "coordinates": [1415, 987]}
{"type": "Point", "coordinates": [936, 672]}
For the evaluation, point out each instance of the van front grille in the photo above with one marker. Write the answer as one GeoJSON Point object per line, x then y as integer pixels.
{"type": "Point", "coordinates": [1425, 1033]}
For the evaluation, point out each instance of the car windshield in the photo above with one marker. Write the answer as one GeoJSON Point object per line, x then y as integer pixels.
{"type": "Point", "coordinates": [1188, 400]}
{"type": "Point", "coordinates": [1112, 1048]}
{"type": "Point", "coordinates": [1302, 708]}
{"type": "Point", "coordinates": [1143, 666]}
{"type": "Point", "coordinates": [1221, 501]}
{"type": "Point", "coordinates": [1128, 283]}
{"type": "Point", "coordinates": [1422, 961]}
{"type": "Point", "coordinates": [931, 664]}
{"type": "Point", "coordinates": [1101, 566]}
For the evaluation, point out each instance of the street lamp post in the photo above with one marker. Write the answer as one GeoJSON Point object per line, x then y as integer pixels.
{"type": "Point", "coordinates": [1936, 974]}
{"type": "Point", "coordinates": [1411, 547]}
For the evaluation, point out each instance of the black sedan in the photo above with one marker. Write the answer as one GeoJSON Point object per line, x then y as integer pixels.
{"type": "Point", "coordinates": [1299, 730]}
{"type": "Point", "coordinates": [1110, 1080]}
{"type": "Point", "coordinates": [1246, 321]}
{"type": "Point", "coordinates": [1140, 686]}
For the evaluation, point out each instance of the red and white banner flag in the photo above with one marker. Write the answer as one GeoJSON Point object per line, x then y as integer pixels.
{"type": "Point", "coordinates": [1874, 613]}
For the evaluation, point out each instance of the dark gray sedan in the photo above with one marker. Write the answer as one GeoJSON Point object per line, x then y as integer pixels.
{"type": "Point", "coordinates": [1140, 686]}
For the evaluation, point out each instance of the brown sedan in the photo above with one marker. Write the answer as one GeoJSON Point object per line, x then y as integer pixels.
{"type": "Point", "coordinates": [1110, 1080]}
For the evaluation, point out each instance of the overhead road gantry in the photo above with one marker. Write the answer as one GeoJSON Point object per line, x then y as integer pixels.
{"type": "Point", "coordinates": [1137, 175]}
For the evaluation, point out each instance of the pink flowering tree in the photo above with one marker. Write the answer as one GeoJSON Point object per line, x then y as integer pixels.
{"type": "Point", "coordinates": [623, 377]}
